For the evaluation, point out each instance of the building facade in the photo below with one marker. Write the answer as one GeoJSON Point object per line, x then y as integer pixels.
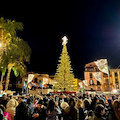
{"type": "Point", "coordinates": [105, 83]}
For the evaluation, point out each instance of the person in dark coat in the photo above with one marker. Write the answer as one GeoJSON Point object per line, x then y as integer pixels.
{"type": "Point", "coordinates": [115, 111]}
{"type": "Point", "coordinates": [53, 110]}
{"type": "Point", "coordinates": [62, 98]}
{"type": "Point", "coordinates": [39, 112]}
{"type": "Point", "coordinates": [4, 100]}
{"type": "Point", "coordinates": [22, 112]}
{"type": "Point", "coordinates": [99, 112]}
{"type": "Point", "coordinates": [70, 113]}
{"type": "Point", "coordinates": [79, 106]}
{"type": "Point", "coordinates": [30, 106]}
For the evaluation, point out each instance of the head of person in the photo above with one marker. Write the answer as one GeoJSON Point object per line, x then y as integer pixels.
{"type": "Point", "coordinates": [20, 100]}
{"type": "Point", "coordinates": [71, 102]}
{"type": "Point", "coordinates": [99, 110]}
{"type": "Point", "coordinates": [51, 105]}
{"type": "Point", "coordinates": [40, 104]}
{"type": "Point", "coordinates": [4, 96]}
{"type": "Point", "coordinates": [116, 108]}
{"type": "Point", "coordinates": [64, 105]}
{"type": "Point", "coordinates": [9, 97]}
{"type": "Point", "coordinates": [79, 103]}
{"type": "Point", "coordinates": [62, 95]}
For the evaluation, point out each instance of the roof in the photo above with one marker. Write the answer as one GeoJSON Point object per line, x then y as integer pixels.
{"type": "Point", "coordinates": [92, 64]}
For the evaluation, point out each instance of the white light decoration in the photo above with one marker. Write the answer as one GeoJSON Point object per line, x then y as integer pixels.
{"type": "Point", "coordinates": [64, 40]}
{"type": "Point", "coordinates": [102, 65]}
{"type": "Point", "coordinates": [0, 45]}
{"type": "Point", "coordinates": [115, 91]}
{"type": "Point", "coordinates": [98, 76]}
{"type": "Point", "coordinates": [30, 77]}
{"type": "Point", "coordinates": [85, 82]}
{"type": "Point", "coordinates": [45, 80]}
{"type": "Point", "coordinates": [80, 84]}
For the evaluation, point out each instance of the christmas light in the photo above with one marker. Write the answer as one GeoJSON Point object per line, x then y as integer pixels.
{"type": "Point", "coordinates": [0, 45]}
{"type": "Point", "coordinates": [30, 77]}
{"type": "Point", "coordinates": [45, 80]}
{"type": "Point", "coordinates": [64, 40]}
{"type": "Point", "coordinates": [102, 64]}
{"type": "Point", "coordinates": [98, 76]}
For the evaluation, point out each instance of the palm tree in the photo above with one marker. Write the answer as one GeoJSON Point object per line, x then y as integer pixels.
{"type": "Point", "coordinates": [17, 53]}
{"type": "Point", "coordinates": [8, 29]}
{"type": "Point", "coordinates": [14, 51]}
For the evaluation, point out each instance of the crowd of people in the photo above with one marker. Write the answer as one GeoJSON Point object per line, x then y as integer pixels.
{"type": "Point", "coordinates": [60, 106]}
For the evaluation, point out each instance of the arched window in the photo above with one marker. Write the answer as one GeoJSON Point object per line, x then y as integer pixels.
{"type": "Point", "coordinates": [91, 76]}
{"type": "Point", "coordinates": [91, 82]}
{"type": "Point", "coordinates": [98, 83]}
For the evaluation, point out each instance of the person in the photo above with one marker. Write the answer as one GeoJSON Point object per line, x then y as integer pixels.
{"type": "Point", "coordinates": [5, 114]}
{"type": "Point", "coordinates": [4, 100]}
{"type": "Point", "coordinates": [70, 113]}
{"type": "Point", "coordinates": [64, 106]}
{"type": "Point", "coordinates": [115, 110]}
{"type": "Point", "coordinates": [22, 112]}
{"type": "Point", "coordinates": [53, 110]}
{"type": "Point", "coordinates": [62, 98]}
{"type": "Point", "coordinates": [11, 106]}
{"type": "Point", "coordinates": [79, 106]}
{"type": "Point", "coordinates": [30, 107]}
{"type": "Point", "coordinates": [1, 115]}
{"type": "Point", "coordinates": [99, 112]}
{"type": "Point", "coordinates": [87, 105]}
{"type": "Point", "coordinates": [90, 115]}
{"type": "Point", "coordinates": [35, 103]}
{"type": "Point", "coordinates": [39, 112]}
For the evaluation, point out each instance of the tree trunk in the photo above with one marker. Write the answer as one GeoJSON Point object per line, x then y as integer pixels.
{"type": "Point", "coordinates": [1, 87]}
{"type": "Point", "coordinates": [8, 75]}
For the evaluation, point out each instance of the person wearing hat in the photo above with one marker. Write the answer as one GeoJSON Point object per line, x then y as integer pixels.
{"type": "Point", "coordinates": [40, 111]}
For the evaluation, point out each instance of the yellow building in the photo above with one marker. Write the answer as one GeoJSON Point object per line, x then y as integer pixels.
{"type": "Point", "coordinates": [37, 78]}
{"type": "Point", "coordinates": [115, 75]}
{"type": "Point", "coordinates": [107, 83]}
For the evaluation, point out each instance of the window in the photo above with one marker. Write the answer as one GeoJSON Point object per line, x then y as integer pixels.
{"type": "Point", "coordinates": [91, 75]}
{"type": "Point", "coordinates": [107, 81]}
{"type": "Point", "coordinates": [98, 83]}
{"type": "Point", "coordinates": [98, 88]}
{"type": "Point", "coordinates": [91, 82]}
{"type": "Point", "coordinates": [35, 80]}
{"type": "Point", "coordinates": [117, 86]}
{"type": "Point", "coordinates": [116, 75]}
{"type": "Point", "coordinates": [116, 80]}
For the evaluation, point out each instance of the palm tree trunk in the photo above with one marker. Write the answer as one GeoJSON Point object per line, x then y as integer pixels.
{"type": "Point", "coordinates": [1, 87]}
{"type": "Point", "coordinates": [8, 75]}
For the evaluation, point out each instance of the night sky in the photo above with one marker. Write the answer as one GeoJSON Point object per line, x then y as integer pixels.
{"type": "Point", "coordinates": [92, 27]}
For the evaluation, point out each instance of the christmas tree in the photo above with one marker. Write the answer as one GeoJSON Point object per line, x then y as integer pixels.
{"type": "Point", "coordinates": [64, 76]}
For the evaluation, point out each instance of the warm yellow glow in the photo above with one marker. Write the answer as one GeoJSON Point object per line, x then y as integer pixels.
{"type": "Point", "coordinates": [64, 40]}
{"type": "Point", "coordinates": [0, 45]}
{"type": "Point", "coordinates": [114, 90]}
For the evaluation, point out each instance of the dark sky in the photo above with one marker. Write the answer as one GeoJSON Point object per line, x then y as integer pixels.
{"type": "Point", "coordinates": [92, 27]}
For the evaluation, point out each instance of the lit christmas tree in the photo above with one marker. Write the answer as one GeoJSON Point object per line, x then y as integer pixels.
{"type": "Point", "coordinates": [64, 76]}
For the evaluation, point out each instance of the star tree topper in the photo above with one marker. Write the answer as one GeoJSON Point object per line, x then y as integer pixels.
{"type": "Point", "coordinates": [64, 40]}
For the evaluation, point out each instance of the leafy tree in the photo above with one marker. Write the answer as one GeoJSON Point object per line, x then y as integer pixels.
{"type": "Point", "coordinates": [17, 53]}
{"type": "Point", "coordinates": [14, 51]}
